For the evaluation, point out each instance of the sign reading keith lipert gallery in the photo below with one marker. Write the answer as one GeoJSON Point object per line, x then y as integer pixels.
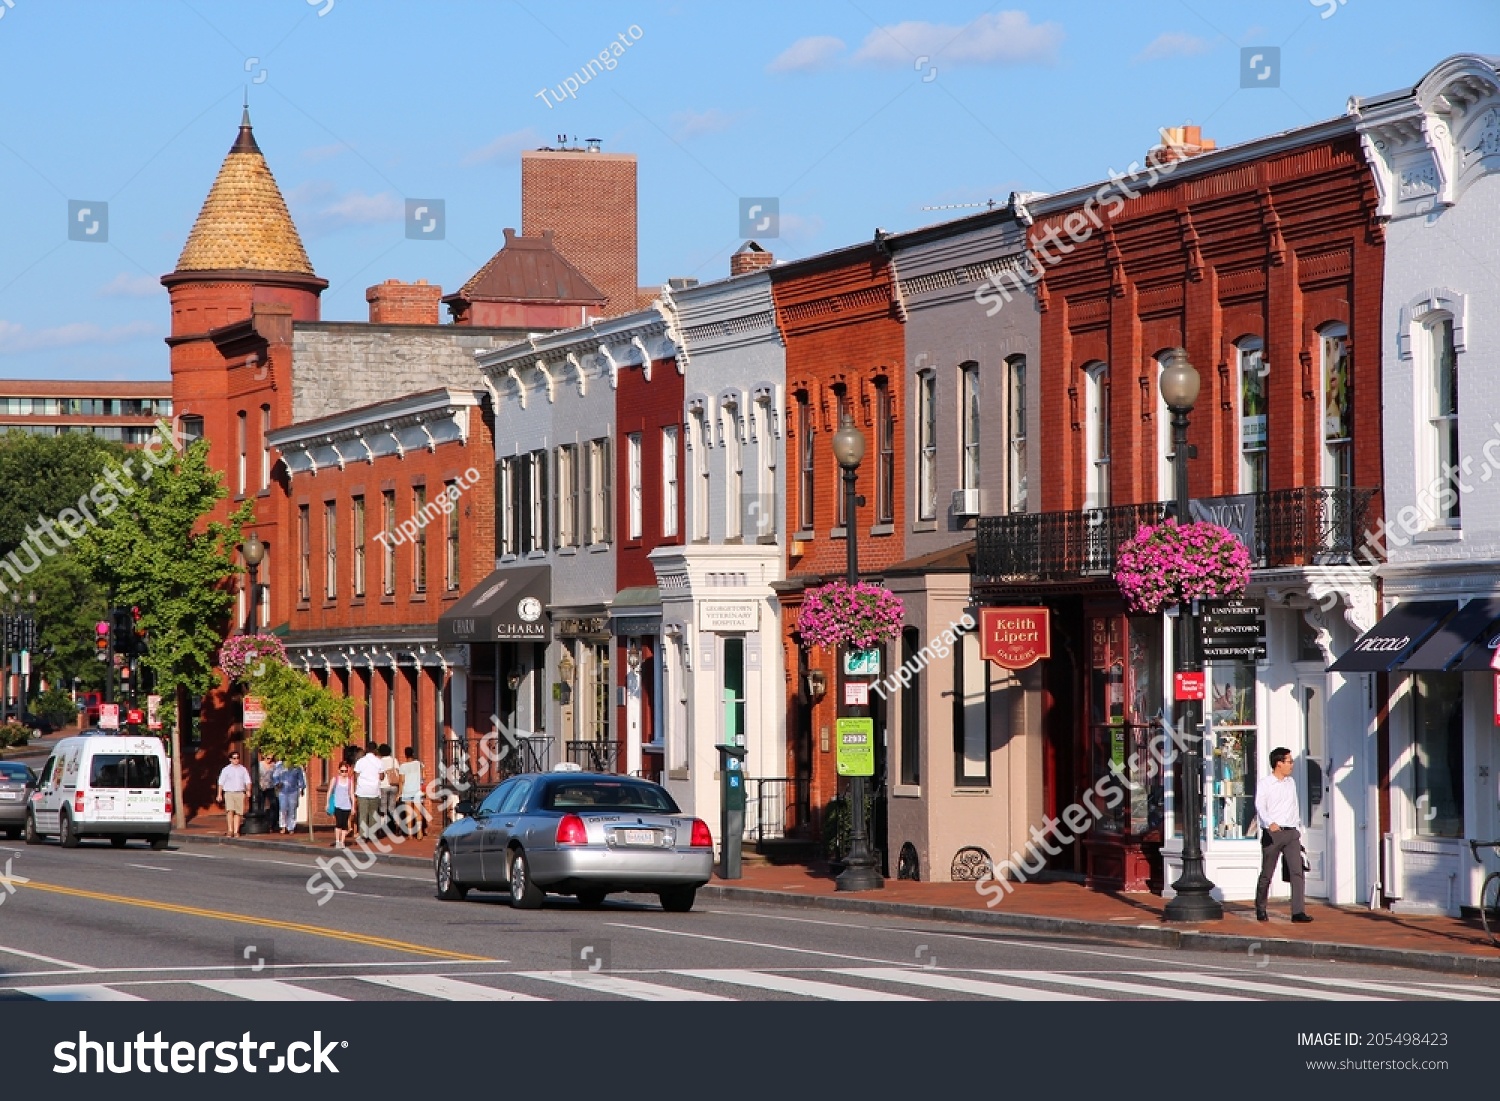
{"type": "Point", "coordinates": [1015, 637]}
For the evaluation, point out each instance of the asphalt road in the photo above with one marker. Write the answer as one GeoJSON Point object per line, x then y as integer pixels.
{"type": "Point", "coordinates": [207, 922]}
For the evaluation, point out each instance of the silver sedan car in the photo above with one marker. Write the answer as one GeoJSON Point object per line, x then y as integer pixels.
{"type": "Point", "coordinates": [576, 833]}
{"type": "Point", "coordinates": [17, 782]}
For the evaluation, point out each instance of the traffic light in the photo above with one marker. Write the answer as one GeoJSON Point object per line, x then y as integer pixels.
{"type": "Point", "coordinates": [122, 631]}
{"type": "Point", "coordinates": [101, 640]}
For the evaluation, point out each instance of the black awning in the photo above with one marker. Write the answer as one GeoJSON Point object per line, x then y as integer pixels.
{"type": "Point", "coordinates": [1480, 655]}
{"type": "Point", "coordinates": [507, 606]}
{"type": "Point", "coordinates": [1404, 628]}
{"type": "Point", "coordinates": [1470, 625]}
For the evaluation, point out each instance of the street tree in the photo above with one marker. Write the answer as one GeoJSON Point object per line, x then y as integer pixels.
{"type": "Point", "coordinates": [42, 476]}
{"type": "Point", "coordinates": [304, 721]}
{"type": "Point", "coordinates": [157, 552]}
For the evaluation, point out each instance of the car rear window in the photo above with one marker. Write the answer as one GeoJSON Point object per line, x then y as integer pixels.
{"type": "Point", "coordinates": [14, 772]}
{"type": "Point", "coordinates": [125, 770]}
{"type": "Point", "coordinates": [609, 795]}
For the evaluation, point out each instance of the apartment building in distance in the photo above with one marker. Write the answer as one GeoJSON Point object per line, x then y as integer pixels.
{"type": "Point", "coordinates": [125, 412]}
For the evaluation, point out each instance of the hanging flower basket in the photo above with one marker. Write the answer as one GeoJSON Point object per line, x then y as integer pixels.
{"type": "Point", "coordinates": [1169, 563]}
{"type": "Point", "coordinates": [862, 615]}
{"type": "Point", "coordinates": [242, 654]}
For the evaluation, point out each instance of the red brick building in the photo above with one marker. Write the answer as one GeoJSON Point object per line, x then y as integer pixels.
{"type": "Point", "coordinates": [1264, 262]}
{"type": "Point", "coordinates": [840, 317]}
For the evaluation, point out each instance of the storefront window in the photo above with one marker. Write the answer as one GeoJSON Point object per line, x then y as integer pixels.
{"type": "Point", "coordinates": [1231, 745]}
{"type": "Point", "coordinates": [1125, 709]}
{"type": "Point", "coordinates": [1438, 753]}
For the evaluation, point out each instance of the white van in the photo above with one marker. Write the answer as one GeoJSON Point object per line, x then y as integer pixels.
{"type": "Point", "coordinates": [103, 785]}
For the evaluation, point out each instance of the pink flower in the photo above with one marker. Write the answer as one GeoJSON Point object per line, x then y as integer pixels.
{"type": "Point", "coordinates": [1170, 563]}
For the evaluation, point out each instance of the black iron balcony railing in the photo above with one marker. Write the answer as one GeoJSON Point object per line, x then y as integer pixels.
{"type": "Point", "coordinates": [595, 756]}
{"type": "Point", "coordinates": [1307, 526]}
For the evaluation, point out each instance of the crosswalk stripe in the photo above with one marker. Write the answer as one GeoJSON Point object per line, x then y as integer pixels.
{"type": "Point", "coordinates": [266, 990]}
{"type": "Point", "coordinates": [1095, 983]}
{"type": "Point", "coordinates": [1226, 982]}
{"type": "Point", "coordinates": [1411, 991]}
{"type": "Point", "coordinates": [92, 992]}
{"type": "Point", "coordinates": [809, 988]}
{"type": "Point", "coordinates": [448, 989]}
{"type": "Point", "coordinates": [939, 980]}
{"type": "Point", "coordinates": [625, 988]}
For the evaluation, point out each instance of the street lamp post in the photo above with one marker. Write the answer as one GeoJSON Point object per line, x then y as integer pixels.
{"type": "Point", "coordinates": [860, 872]}
{"type": "Point", "coordinates": [1193, 899]}
{"type": "Point", "coordinates": [255, 552]}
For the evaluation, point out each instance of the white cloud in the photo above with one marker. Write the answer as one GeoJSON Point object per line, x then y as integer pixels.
{"type": "Point", "coordinates": [320, 208]}
{"type": "Point", "coordinates": [1174, 44]}
{"type": "Point", "coordinates": [693, 124]}
{"type": "Point", "coordinates": [999, 38]}
{"type": "Point", "coordinates": [324, 152]}
{"type": "Point", "coordinates": [16, 338]}
{"type": "Point", "coordinates": [807, 55]}
{"type": "Point", "coordinates": [126, 285]}
{"type": "Point", "coordinates": [506, 145]}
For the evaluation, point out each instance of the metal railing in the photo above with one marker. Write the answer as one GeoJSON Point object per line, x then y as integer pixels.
{"type": "Point", "coordinates": [1306, 526]}
{"type": "Point", "coordinates": [778, 807]}
{"type": "Point", "coordinates": [595, 756]}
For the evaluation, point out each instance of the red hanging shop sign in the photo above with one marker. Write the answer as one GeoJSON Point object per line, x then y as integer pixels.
{"type": "Point", "coordinates": [1015, 637]}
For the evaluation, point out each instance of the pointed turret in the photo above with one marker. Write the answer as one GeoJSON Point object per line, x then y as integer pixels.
{"type": "Point", "coordinates": [244, 224]}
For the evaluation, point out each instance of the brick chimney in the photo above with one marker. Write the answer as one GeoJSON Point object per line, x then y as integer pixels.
{"type": "Point", "coordinates": [396, 303]}
{"type": "Point", "coordinates": [1178, 143]}
{"type": "Point", "coordinates": [750, 257]}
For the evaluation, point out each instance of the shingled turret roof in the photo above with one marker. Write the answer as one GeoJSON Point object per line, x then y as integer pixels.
{"type": "Point", "coordinates": [244, 224]}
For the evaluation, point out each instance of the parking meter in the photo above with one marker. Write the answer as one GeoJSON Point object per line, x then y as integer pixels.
{"type": "Point", "coordinates": [731, 809]}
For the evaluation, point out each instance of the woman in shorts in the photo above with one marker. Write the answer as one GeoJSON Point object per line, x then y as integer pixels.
{"type": "Point", "coordinates": [341, 803]}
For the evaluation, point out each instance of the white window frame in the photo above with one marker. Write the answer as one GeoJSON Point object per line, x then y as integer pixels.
{"type": "Point", "coordinates": [634, 489]}
{"type": "Point", "coordinates": [330, 550]}
{"type": "Point", "coordinates": [1250, 358]}
{"type": "Point", "coordinates": [700, 442]}
{"type": "Point", "coordinates": [1438, 496]}
{"type": "Point", "coordinates": [926, 429]}
{"type": "Point", "coordinates": [765, 468]}
{"type": "Point", "coordinates": [670, 521]}
{"type": "Point", "coordinates": [1337, 458]}
{"type": "Point", "coordinates": [1166, 485]}
{"type": "Point", "coordinates": [1096, 435]}
{"type": "Point", "coordinates": [970, 426]}
{"type": "Point", "coordinates": [265, 447]}
{"type": "Point", "coordinates": [1016, 414]}
{"type": "Point", "coordinates": [242, 432]}
{"type": "Point", "coordinates": [734, 467]}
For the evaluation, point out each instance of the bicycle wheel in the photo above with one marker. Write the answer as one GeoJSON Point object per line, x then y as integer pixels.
{"type": "Point", "coordinates": [1489, 907]}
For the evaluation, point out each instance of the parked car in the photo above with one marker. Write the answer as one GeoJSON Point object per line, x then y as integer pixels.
{"type": "Point", "coordinates": [17, 782]}
{"type": "Point", "coordinates": [103, 785]}
{"type": "Point", "coordinates": [575, 833]}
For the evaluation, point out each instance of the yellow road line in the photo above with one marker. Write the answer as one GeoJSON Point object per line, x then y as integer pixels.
{"type": "Point", "coordinates": [264, 923]}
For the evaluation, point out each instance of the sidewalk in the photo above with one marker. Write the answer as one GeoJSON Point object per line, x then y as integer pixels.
{"type": "Point", "coordinates": [1347, 933]}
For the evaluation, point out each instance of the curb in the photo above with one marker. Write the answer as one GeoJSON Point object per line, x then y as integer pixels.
{"type": "Point", "coordinates": [250, 843]}
{"type": "Point", "coordinates": [1152, 935]}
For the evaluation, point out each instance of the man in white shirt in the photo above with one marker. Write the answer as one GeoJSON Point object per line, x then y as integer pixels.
{"type": "Point", "coordinates": [1280, 835]}
{"type": "Point", "coordinates": [367, 774]}
{"type": "Point", "coordinates": [234, 787]}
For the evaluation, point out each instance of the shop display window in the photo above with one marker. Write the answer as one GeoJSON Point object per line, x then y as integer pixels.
{"type": "Point", "coordinates": [1125, 712]}
{"type": "Point", "coordinates": [1230, 750]}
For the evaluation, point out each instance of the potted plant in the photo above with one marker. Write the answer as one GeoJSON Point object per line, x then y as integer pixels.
{"type": "Point", "coordinates": [861, 616]}
{"type": "Point", "coordinates": [1171, 563]}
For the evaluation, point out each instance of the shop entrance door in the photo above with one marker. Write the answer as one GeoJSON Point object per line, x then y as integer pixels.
{"type": "Point", "coordinates": [1312, 771]}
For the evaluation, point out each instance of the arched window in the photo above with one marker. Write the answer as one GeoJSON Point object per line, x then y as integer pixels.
{"type": "Point", "coordinates": [1432, 337]}
{"type": "Point", "coordinates": [1015, 387]}
{"type": "Point", "coordinates": [1251, 387]}
{"type": "Point", "coordinates": [1338, 406]}
{"type": "Point", "coordinates": [1096, 436]}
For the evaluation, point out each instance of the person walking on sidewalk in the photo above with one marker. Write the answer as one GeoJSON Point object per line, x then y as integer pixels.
{"type": "Point", "coordinates": [1280, 835]}
{"type": "Point", "coordinates": [413, 813]}
{"type": "Point", "coordinates": [291, 781]}
{"type": "Point", "coordinates": [368, 772]}
{"type": "Point", "coordinates": [234, 790]}
{"type": "Point", "coordinates": [390, 786]}
{"type": "Point", "coordinates": [341, 803]}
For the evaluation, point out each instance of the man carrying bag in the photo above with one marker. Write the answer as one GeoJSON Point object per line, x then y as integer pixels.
{"type": "Point", "coordinates": [1280, 836]}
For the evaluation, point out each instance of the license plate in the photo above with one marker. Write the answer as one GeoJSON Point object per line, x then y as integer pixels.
{"type": "Point", "coordinates": [104, 802]}
{"type": "Point", "coordinates": [638, 837]}
{"type": "Point", "coordinates": [11, 795]}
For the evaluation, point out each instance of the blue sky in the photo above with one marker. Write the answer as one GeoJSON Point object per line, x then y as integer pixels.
{"type": "Point", "coordinates": [853, 115]}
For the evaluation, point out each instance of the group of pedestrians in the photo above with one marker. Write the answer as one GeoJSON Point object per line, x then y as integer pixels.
{"type": "Point", "coordinates": [377, 793]}
{"type": "Point", "coordinates": [281, 788]}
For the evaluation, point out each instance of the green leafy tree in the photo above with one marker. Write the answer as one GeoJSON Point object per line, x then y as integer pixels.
{"type": "Point", "coordinates": [56, 706]}
{"type": "Point", "coordinates": [69, 603]}
{"type": "Point", "coordinates": [304, 720]}
{"type": "Point", "coordinates": [42, 476]}
{"type": "Point", "coordinates": [156, 552]}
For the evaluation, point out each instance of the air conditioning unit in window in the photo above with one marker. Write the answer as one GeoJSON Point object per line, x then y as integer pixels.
{"type": "Point", "coordinates": [966, 502]}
